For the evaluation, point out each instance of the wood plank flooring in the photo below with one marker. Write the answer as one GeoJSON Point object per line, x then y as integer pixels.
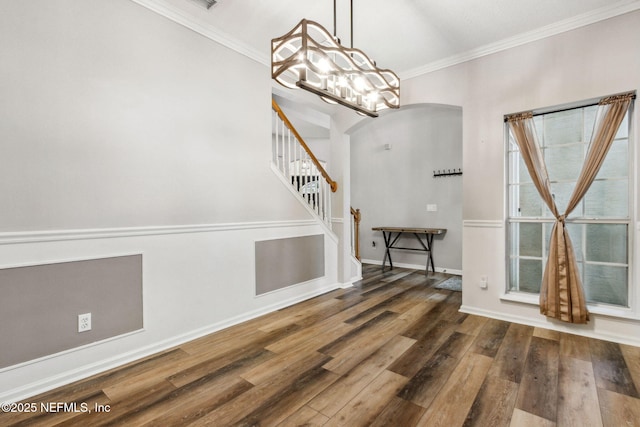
{"type": "Point", "coordinates": [391, 351]}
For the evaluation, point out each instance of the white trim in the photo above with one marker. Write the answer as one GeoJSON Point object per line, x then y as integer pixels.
{"type": "Point", "coordinates": [86, 371]}
{"type": "Point", "coordinates": [482, 223]}
{"type": "Point", "coordinates": [563, 26]}
{"type": "Point", "coordinates": [350, 283]}
{"type": "Point", "coordinates": [288, 287]}
{"type": "Point", "coordinates": [271, 238]}
{"type": "Point", "coordinates": [304, 203]}
{"type": "Point", "coordinates": [69, 350]}
{"type": "Point", "coordinates": [10, 238]}
{"type": "Point", "coordinates": [207, 30]}
{"type": "Point", "coordinates": [603, 310]}
{"type": "Point", "coordinates": [83, 346]}
{"type": "Point", "coordinates": [413, 266]}
{"type": "Point", "coordinates": [357, 264]}
{"type": "Point", "coordinates": [541, 322]}
{"type": "Point", "coordinates": [74, 259]}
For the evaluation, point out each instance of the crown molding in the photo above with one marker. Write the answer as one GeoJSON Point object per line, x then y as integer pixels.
{"type": "Point", "coordinates": [619, 8]}
{"type": "Point", "coordinates": [178, 16]}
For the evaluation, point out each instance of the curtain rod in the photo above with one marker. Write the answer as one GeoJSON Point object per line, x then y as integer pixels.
{"type": "Point", "coordinates": [560, 110]}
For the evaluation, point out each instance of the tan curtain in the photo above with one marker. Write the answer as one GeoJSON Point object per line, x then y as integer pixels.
{"type": "Point", "coordinates": [561, 292]}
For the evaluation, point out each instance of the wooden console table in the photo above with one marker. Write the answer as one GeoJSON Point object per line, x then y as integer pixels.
{"type": "Point", "coordinates": [392, 234]}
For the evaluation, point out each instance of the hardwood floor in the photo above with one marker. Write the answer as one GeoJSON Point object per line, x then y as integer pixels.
{"type": "Point", "coordinates": [392, 351]}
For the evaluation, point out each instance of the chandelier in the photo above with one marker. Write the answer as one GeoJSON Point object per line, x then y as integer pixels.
{"type": "Point", "coordinates": [310, 58]}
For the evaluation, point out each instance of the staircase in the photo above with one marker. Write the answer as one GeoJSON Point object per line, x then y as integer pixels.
{"type": "Point", "coordinates": [300, 168]}
{"type": "Point", "coordinates": [308, 179]}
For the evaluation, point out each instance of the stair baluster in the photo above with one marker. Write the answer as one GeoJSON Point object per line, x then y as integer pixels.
{"type": "Point", "coordinates": [306, 174]}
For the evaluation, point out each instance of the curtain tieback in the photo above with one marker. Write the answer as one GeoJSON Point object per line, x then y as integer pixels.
{"type": "Point", "coordinates": [561, 219]}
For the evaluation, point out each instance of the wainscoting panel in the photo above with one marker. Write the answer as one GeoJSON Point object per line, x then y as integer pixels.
{"type": "Point", "coordinates": [40, 304]}
{"type": "Point", "coordinates": [285, 262]}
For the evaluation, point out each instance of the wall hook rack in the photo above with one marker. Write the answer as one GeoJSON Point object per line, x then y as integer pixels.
{"type": "Point", "coordinates": [447, 172]}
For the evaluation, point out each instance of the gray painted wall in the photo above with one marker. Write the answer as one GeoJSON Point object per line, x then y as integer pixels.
{"type": "Point", "coordinates": [285, 262]}
{"type": "Point", "coordinates": [393, 187]}
{"type": "Point", "coordinates": [40, 305]}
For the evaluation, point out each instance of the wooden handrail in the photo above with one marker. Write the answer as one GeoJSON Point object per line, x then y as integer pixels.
{"type": "Point", "coordinates": [356, 231]}
{"type": "Point", "coordinates": [316, 162]}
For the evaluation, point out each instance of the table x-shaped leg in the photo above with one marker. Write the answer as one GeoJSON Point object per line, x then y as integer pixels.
{"type": "Point", "coordinates": [427, 248]}
{"type": "Point", "coordinates": [388, 243]}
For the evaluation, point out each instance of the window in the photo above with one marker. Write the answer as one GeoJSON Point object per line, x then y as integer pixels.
{"type": "Point", "coordinates": [600, 227]}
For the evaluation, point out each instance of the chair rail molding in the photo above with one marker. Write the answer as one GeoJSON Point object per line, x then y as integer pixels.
{"type": "Point", "coordinates": [483, 223]}
{"type": "Point", "coordinates": [12, 238]}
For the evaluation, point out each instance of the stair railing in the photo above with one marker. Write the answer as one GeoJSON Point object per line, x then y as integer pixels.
{"type": "Point", "coordinates": [355, 232]}
{"type": "Point", "coordinates": [302, 169]}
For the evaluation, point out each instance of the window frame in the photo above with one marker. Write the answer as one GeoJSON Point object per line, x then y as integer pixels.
{"type": "Point", "coordinates": [632, 310]}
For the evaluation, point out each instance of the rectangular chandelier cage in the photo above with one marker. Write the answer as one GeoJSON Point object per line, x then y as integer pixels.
{"type": "Point", "coordinates": [310, 58]}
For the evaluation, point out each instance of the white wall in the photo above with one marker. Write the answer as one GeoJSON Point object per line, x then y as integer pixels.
{"type": "Point", "coordinates": [393, 187]}
{"type": "Point", "coordinates": [196, 280]}
{"type": "Point", "coordinates": [589, 62]}
{"type": "Point", "coordinates": [123, 132]}
{"type": "Point", "coordinates": [340, 207]}
{"type": "Point", "coordinates": [321, 148]}
{"type": "Point", "coordinates": [115, 117]}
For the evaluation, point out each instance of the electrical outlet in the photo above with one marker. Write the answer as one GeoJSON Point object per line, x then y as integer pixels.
{"type": "Point", "coordinates": [84, 322]}
{"type": "Point", "coordinates": [432, 208]}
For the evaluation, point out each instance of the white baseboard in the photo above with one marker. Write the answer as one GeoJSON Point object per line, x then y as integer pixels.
{"type": "Point", "coordinates": [543, 323]}
{"type": "Point", "coordinates": [68, 377]}
{"type": "Point", "coordinates": [350, 283]}
{"type": "Point", "coordinates": [414, 266]}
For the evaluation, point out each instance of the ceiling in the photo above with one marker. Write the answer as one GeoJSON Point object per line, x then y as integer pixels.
{"type": "Point", "coordinates": [410, 37]}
